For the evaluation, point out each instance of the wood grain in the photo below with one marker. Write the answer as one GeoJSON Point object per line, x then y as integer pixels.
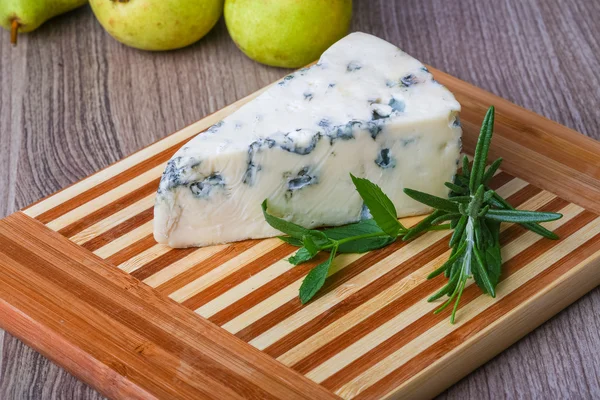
{"type": "Point", "coordinates": [77, 101]}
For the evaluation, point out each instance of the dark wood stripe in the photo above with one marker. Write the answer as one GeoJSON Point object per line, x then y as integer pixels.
{"type": "Point", "coordinates": [198, 270]}
{"type": "Point", "coordinates": [423, 324]}
{"type": "Point", "coordinates": [247, 271]}
{"type": "Point", "coordinates": [125, 325]}
{"type": "Point", "coordinates": [119, 230]}
{"type": "Point", "coordinates": [132, 250]}
{"type": "Point", "coordinates": [268, 321]}
{"type": "Point", "coordinates": [500, 180]}
{"type": "Point", "coordinates": [110, 209]}
{"type": "Point", "coordinates": [383, 315]}
{"type": "Point", "coordinates": [163, 261]}
{"type": "Point", "coordinates": [477, 324]}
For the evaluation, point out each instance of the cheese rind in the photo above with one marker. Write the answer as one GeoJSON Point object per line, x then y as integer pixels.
{"type": "Point", "coordinates": [365, 108]}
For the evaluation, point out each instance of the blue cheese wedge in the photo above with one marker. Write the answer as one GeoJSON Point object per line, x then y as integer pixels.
{"type": "Point", "coordinates": [365, 108]}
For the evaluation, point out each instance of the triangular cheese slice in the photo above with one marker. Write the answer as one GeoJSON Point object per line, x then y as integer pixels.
{"type": "Point", "coordinates": [365, 108]}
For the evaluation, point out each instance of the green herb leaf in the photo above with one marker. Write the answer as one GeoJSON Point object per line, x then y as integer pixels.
{"type": "Point", "coordinates": [432, 201]}
{"type": "Point", "coordinates": [460, 199]}
{"type": "Point", "coordinates": [287, 227]}
{"type": "Point", "coordinates": [499, 202]}
{"type": "Point", "coordinates": [459, 230]}
{"type": "Point", "coordinates": [310, 245]}
{"type": "Point", "coordinates": [520, 216]}
{"type": "Point", "coordinates": [422, 226]}
{"type": "Point", "coordinates": [446, 217]}
{"type": "Point", "coordinates": [480, 273]}
{"type": "Point", "coordinates": [381, 207]}
{"type": "Point", "coordinates": [291, 240]}
{"type": "Point", "coordinates": [481, 150]}
{"type": "Point", "coordinates": [364, 244]}
{"type": "Point", "coordinates": [442, 227]}
{"type": "Point", "coordinates": [489, 174]}
{"type": "Point", "coordinates": [456, 189]}
{"type": "Point", "coordinates": [465, 167]}
{"type": "Point", "coordinates": [302, 255]}
{"type": "Point", "coordinates": [316, 278]}
{"type": "Point", "coordinates": [453, 258]}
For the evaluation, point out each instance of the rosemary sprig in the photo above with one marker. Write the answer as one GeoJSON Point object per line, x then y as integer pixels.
{"type": "Point", "coordinates": [472, 210]}
{"type": "Point", "coordinates": [475, 213]}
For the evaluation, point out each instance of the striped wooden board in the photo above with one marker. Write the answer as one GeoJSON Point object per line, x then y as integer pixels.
{"type": "Point", "coordinates": [83, 281]}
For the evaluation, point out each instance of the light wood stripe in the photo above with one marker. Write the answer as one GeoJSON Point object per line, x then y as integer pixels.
{"type": "Point", "coordinates": [113, 220]}
{"type": "Point", "coordinates": [144, 258]}
{"type": "Point", "coordinates": [224, 270]}
{"type": "Point", "coordinates": [231, 251]}
{"type": "Point", "coordinates": [258, 320]}
{"type": "Point", "coordinates": [183, 265]}
{"type": "Point", "coordinates": [245, 288]}
{"type": "Point", "coordinates": [102, 203]}
{"type": "Point", "coordinates": [521, 278]}
{"type": "Point", "coordinates": [334, 377]}
{"type": "Point", "coordinates": [131, 251]}
{"type": "Point", "coordinates": [125, 241]}
{"type": "Point", "coordinates": [119, 230]}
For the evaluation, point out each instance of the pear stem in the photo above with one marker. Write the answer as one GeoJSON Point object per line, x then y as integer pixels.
{"type": "Point", "coordinates": [14, 30]}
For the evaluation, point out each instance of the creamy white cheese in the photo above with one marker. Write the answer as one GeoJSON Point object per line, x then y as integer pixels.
{"type": "Point", "coordinates": [365, 108]}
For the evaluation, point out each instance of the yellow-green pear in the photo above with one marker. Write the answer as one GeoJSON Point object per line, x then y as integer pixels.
{"type": "Point", "coordinates": [287, 33]}
{"type": "Point", "coordinates": [27, 15]}
{"type": "Point", "coordinates": [157, 24]}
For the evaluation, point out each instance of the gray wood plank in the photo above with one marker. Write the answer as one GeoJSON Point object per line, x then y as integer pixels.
{"type": "Point", "coordinates": [72, 101]}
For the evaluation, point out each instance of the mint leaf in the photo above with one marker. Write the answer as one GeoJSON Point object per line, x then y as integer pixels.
{"type": "Point", "coordinates": [315, 279]}
{"type": "Point", "coordinates": [301, 256]}
{"type": "Point", "coordinates": [291, 240]}
{"type": "Point", "coordinates": [381, 207]}
{"type": "Point", "coordinates": [362, 245]}
{"type": "Point", "coordinates": [287, 227]}
{"type": "Point", "coordinates": [310, 245]}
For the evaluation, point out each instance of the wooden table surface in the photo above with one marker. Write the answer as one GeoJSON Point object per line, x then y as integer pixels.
{"type": "Point", "coordinates": [72, 101]}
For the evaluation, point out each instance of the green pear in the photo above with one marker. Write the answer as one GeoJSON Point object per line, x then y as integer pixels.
{"type": "Point", "coordinates": [27, 15]}
{"type": "Point", "coordinates": [287, 33]}
{"type": "Point", "coordinates": [157, 24]}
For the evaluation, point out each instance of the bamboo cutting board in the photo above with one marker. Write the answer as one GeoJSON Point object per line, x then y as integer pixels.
{"type": "Point", "coordinates": [83, 281]}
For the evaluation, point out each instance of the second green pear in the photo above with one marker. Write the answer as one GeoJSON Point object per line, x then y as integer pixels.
{"type": "Point", "coordinates": [287, 33]}
{"type": "Point", "coordinates": [157, 24]}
